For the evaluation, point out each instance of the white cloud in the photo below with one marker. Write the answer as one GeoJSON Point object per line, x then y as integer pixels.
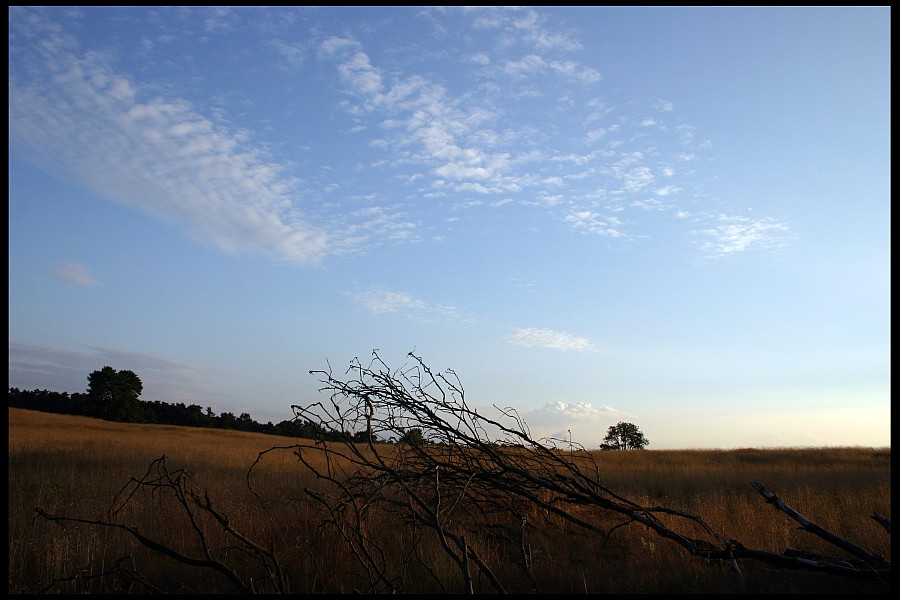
{"type": "Point", "coordinates": [590, 222]}
{"type": "Point", "coordinates": [417, 112]}
{"type": "Point", "coordinates": [533, 64]}
{"type": "Point", "coordinates": [360, 74]}
{"type": "Point", "coordinates": [376, 225]}
{"type": "Point", "coordinates": [667, 190]}
{"type": "Point", "coordinates": [449, 136]}
{"type": "Point", "coordinates": [293, 54]}
{"type": "Point", "coordinates": [525, 66]}
{"type": "Point", "coordinates": [572, 70]}
{"type": "Point", "coordinates": [75, 274]}
{"type": "Point", "coordinates": [637, 179]}
{"type": "Point", "coordinates": [733, 234]}
{"type": "Point", "coordinates": [653, 204]}
{"type": "Point", "coordinates": [158, 156]}
{"type": "Point", "coordinates": [334, 45]}
{"type": "Point", "coordinates": [461, 144]}
{"type": "Point", "coordinates": [461, 171]}
{"type": "Point", "coordinates": [665, 106]}
{"type": "Point", "coordinates": [596, 134]}
{"type": "Point", "coordinates": [523, 25]}
{"type": "Point", "coordinates": [380, 301]}
{"type": "Point", "coordinates": [473, 187]}
{"type": "Point", "coordinates": [580, 422]}
{"type": "Point", "coordinates": [163, 157]}
{"type": "Point", "coordinates": [547, 338]}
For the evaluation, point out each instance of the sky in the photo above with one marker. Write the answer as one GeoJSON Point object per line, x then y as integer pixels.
{"type": "Point", "coordinates": [672, 217]}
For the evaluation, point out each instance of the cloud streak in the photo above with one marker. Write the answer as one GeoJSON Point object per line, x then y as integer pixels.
{"type": "Point", "coordinates": [481, 139]}
{"type": "Point", "coordinates": [734, 233]}
{"type": "Point", "coordinates": [463, 146]}
{"type": "Point", "coordinates": [156, 155]}
{"type": "Point", "coordinates": [452, 135]}
{"type": "Point", "coordinates": [547, 338]}
{"type": "Point", "coordinates": [33, 366]}
{"type": "Point", "coordinates": [381, 301]}
{"type": "Point", "coordinates": [75, 274]}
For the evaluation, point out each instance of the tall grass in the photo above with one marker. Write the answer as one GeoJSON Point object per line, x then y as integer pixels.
{"type": "Point", "coordinates": [75, 466]}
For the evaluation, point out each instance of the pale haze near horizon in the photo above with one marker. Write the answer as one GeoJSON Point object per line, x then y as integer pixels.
{"type": "Point", "coordinates": [675, 217]}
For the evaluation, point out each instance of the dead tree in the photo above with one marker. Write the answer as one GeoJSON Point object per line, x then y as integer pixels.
{"type": "Point", "coordinates": [474, 466]}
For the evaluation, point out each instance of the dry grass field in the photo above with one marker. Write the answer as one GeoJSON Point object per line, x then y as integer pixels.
{"type": "Point", "coordinates": [75, 467]}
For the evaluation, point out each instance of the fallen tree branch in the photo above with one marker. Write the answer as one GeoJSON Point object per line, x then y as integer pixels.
{"type": "Point", "coordinates": [509, 470]}
{"type": "Point", "coordinates": [158, 478]}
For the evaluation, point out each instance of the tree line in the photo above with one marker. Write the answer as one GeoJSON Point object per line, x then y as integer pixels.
{"type": "Point", "coordinates": [115, 396]}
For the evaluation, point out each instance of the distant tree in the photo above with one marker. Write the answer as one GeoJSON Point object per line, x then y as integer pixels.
{"type": "Point", "coordinates": [413, 437]}
{"type": "Point", "coordinates": [113, 395]}
{"type": "Point", "coordinates": [362, 437]}
{"type": "Point", "coordinates": [47, 401]}
{"type": "Point", "coordinates": [624, 436]}
{"type": "Point", "coordinates": [227, 420]}
{"type": "Point", "coordinates": [244, 422]}
{"type": "Point", "coordinates": [195, 416]}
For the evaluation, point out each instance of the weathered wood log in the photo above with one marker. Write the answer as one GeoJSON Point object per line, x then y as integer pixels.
{"type": "Point", "coordinates": [868, 563]}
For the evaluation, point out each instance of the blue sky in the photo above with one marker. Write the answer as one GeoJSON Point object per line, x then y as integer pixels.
{"type": "Point", "coordinates": [675, 217]}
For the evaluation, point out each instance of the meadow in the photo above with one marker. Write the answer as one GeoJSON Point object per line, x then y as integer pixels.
{"type": "Point", "coordinates": [76, 467]}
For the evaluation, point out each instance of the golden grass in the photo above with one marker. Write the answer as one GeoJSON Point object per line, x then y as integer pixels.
{"type": "Point", "coordinates": [74, 466]}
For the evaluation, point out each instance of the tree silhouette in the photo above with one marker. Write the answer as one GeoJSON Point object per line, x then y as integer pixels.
{"type": "Point", "coordinates": [113, 395]}
{"type": "Point", "coordinates": [624, 436]}
{"type": "Point", "coordinates": [413, 437]}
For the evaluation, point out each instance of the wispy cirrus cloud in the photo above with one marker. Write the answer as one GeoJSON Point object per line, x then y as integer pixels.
{"type": "Point", "coordinates": [665, 106]}
{"type": "Point", "coordinates": [221, 18]}
{"type": "Point", "coordinates": [533, 64]}
{"type": "Point", "coordinates": [382, 301]}
{"type": "Point", "coordinates": [157, 155]}
{"type": "Point", "coordinates": [547, 338]}
{"type": "Point", "coordinates": [162, 156]}
{"type": "Point", "coordinates": [522, 25]}
{"type": "Point", "coordinates": [33, 366]}
{"type": "Point", "coordinates": [730, 234]}
{"type": "Point", "coordinates": [292, 54]}
{"type": "Point", "coordinates": [75, 274]}
{"type": "Point", "coordinates": [588, 221]}
{"type": "Point", "coordinates": [456, 138]}
{"type": "Point", "coordinates": [461, 143]}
